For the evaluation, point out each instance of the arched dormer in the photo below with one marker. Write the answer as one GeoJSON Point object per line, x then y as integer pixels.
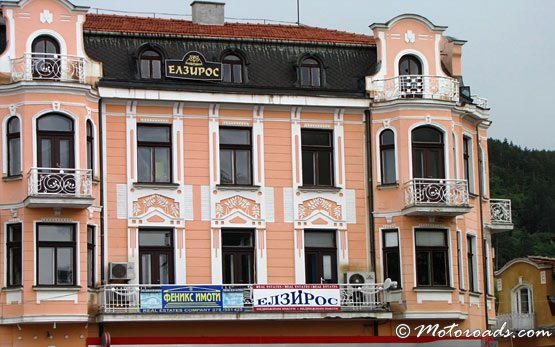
{"type": "Point", "coordinates": [310, 71]}
{"type": "Point", "coordinates": [234, 66]}
{"type": "Point", "coordinates": [149, 59]}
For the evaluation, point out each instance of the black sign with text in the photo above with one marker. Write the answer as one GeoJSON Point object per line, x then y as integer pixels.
{"type": "Point", "coordinates": [194, 66]}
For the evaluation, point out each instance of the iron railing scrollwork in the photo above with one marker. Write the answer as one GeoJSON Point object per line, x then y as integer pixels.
{"type": "Point", "coordinates": [45, 66]}
{"type": "Point", "coordinates": [415, 87]}
{"type": "Point", "coordinates": [64, 182]}
{"type": "Point", "coordinates": [437, 192]}
{"type": "Point", "coordinates": [500, 211]}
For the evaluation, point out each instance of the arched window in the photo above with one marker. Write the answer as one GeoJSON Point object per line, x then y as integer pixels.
{"type": "Point", "coordinates": [46, 60]}
{"type": "Point", "coordinates": [150, 64]}
{"type": "Point", "coordinates": [411, 81]}
{"type": "Point", "coordinates": [232, 68]}
{"type": "Point", "coordinates": [523, 300]}
{"type": "Point", "coordinates": [310, 71]}
{"type": "Point", "coordinates": [55, 141]}
{"type": "Point", "coordinates": [14, 146]}
{"type": "Point", "coordinates": [387, 157]}
{"type": "Point", "coordinates": [90, 147]}
{"type": "Point", "coordinates": [427, 153]}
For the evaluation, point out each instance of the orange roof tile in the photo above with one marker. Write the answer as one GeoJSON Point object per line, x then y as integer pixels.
{"type": "Point", "coordinates": [146, 25]}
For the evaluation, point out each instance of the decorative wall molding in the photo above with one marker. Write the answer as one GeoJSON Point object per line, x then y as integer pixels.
{"type": "Point", "coordinates": [158, 202]}
{"type": "Point", "coordinates": [227, 206]}
{"type": "Point", "coordinates": [330, 208]}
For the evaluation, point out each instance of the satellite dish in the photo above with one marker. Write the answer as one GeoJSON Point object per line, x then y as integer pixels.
{"type": "Point", "coordinates": [386, 283]}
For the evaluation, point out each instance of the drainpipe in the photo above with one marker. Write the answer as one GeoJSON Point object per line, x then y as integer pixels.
{"type": "Point", "coordinates": [370, 198]}
{"type": "Point", "coordinates": [481, 179]}
{"type": "Point", "coordinates": [102, 201]}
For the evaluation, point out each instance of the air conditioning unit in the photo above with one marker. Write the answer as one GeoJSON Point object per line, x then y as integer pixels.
{"type": "Point", "coordinates": [359, 277]}
{"type": "Point", "coordinates": [122, 271]}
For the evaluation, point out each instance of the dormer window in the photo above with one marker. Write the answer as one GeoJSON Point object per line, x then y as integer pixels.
{"type": "Point", "coordinates": [310, 71]}
{"type": "Point", "coordinates": [411, 80]}
{"type": "Point", "coordinates": [46, 60]}
{"type": "Point", "coordinates": [232, 69]}
{"type": "Point", "coordinates": [150, 64]}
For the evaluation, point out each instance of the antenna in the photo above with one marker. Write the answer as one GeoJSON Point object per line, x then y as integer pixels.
{"type": "Point", "coordinates": [298, 13]}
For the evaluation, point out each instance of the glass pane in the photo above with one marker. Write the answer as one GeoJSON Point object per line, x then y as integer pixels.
{"type": "Point", "coordinates": [427, 135]}
{"type": "Point", "coordinates": [229, 268]}
{"type": "Point", "coordinates": [64, 154]}
{"type": "Point", "coordinates": [15, 266]}
{"type": "Point", "coordinates": [144, 162]}
{"type": "Point", "coordinates": [226, 166]}
{"type": "Point", "coordinates": [231, 136]}
{"type": "Point", "coordinates": [237, 73]}
{"type": "Point", "coordinates": [312, 276]}
{"type": "Point", "coordinates": [246, 268]}
{"type": "Point", "coordinates": [392, 266]}
{"type": "Point", "coordinates": [237, 239]}
{"type": "Point", "coordinates": [315, 74]}
{"type": "Point", "coordinates": [162, 164]}
{"type": "Point", "coordinates": [46, 265]}
{"type": "Point", "coordinates": [146, 270]}
{"type": "Point", "coordinates": [327, 270]}
{"type": "Point", "coordinates": [89, 155]}
{"type": "Point", "coordinates": [316, 138]}
{"type": "Point", "coordinates": [226, 72]}
{"type": "Point", "coordinates": [243, 167]}
{"type": "Point", "coordinates": [388, 166]}
{"type": "Point", "coordinates": [319, 238]}
{"type": "Point", "coordinates": [64, 258]}
{"type": "Point", "coordinates": [325, 169]}
{"type": "Point", "coordinates": [524, 301]}
{"type": "Point", "coordinates": [305, 76]}
{"type": "Point", "coordinates": [423, 269]}
{"type": "Point", "coordinates": [46, 153]}
{"type": "Point", "coordinates": [387, 138]}
{"type": "Point", "coordinates": [390, 239]}
{"type": "Point", "coordinates": [13, 125]}
{"type": "Point", "coordinates": [15, 156]}
{"type": "Point", "coordinates": [14, 233]}
{"type": "Point", "coordinates": [90, 267]}
{"type": "Point", "coordinates": [308, 168]}
{"type": "Point", "coordinates": [89, 129]}
{"type": "Point", "coordinates": [145, 69]}
{"type": "Point", "coordinates": [434, 168]}
{"type": "Point", "coordinates": [56, 233]}
{"type": "Point", "coordinates": [55, 122]}
{"type": "Point", "coordinates": [164, 269]}
{"type": "Point", "coordinates": [155, 238]}
{"type": "Point", "coordinates": [90, 235]}
{"type": "Point", "coordinates": [430, 238]}
{"type": "Point", "coordinates": [153, 133]}
{"type": "Point", "coordinates": [156, 69]}
{"type": "Point", "coordinates": [439, 260]}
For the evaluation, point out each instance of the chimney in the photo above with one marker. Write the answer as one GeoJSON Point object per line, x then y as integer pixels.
{"type": "Point", "coordinates": [208, 12]}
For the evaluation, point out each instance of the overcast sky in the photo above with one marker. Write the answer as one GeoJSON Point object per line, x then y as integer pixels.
{"type": "Point", "coordinates": [509, 57]}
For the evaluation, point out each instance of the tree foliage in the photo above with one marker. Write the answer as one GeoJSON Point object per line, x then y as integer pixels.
{"type": "Point", "coordinates": [527, 177]}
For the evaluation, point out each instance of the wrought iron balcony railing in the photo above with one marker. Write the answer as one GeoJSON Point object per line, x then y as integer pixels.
{"type": "Point", "coordinates": [234, 298]}
{"type": "Point", "coordinates": [52, 67]}
{"type": "Point", "coordinates": [480, 101]}
{"type": "Point", "coordinates": [500, 211]}
{"type": "Point", "coordinates": [432, 192]}
{"type": "Point", "coordinates": [415, 87]}
{"type": "Point", "coordinates": [516, 321]}
{"type": "Point", "coordinates": [54, 182]}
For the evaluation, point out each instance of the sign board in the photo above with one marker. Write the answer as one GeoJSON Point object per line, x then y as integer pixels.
{"type": "Point", "coordinates": [296, 297]}
{"type": "Point", "coordinates": [194, 66]}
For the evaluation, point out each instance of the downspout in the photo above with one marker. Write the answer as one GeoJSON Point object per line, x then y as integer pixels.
{"type": "Point", "coordinates": [102, 202]}
{"type": "Point", "coordinates": [370, 198]}
{"type": "Point", "coordinates": [481, 179]}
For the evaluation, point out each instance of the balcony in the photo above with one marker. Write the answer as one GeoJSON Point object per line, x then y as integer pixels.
{"type": "Point", "coordinates": [436, 197]}
{"type": "Point", "coordinates": [49, 67]}
{"type": "Point", "coordinates": [59, 188]}
{"type": "Point", "coordinates": [414, 87]}
{"type": "Point", "coordinates": [516, 321]}
{"type": "Point", "coordinates": [122, 302]}
{"type": "Point", "coordinates": [500, 215]}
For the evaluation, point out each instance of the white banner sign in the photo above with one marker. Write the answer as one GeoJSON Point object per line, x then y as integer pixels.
{"type": "Point", "coordinates": [296, 297]}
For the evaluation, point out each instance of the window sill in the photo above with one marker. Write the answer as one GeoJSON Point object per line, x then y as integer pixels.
{"type": "Point", "coordinates": [12, 289]}
{"type": "Point", "coordinates": [57, 288]}
{"type": "Point", "coordinates": [388, 186]}
{"type": "Point", "coordinates": [475, 294]}
{"type": "Point", "coordinates": [473, 195]}
{"type": "Point", "coordinates": [96, 180]}
{"type": "Point", "coordinates": [320, 189]}
{"type": "Point", "coordinates": [434, 289]}
{"type": "Point", "coordinates": [237, 187]}
{"type": "Point", "coordinates": [155, 185]}
{"type": "Point", "coordinates": [12, 178]}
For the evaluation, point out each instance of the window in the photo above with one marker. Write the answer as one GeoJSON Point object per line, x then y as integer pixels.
{"type": "Point", "coordinates": [56, 255]}
{"type": "Point", "coordinates": [310, 71]}
{"type": "Point", "coordinates": [55, 141]}
{"type": "Point", "coordinates": [410, 77]}
{"type": "Point", "coordinates": [387, 157]}
{"type": "Point", "coordinates": [432, 263]}
{"type": "Point", "coordinates": [460, 260]}
{"type": "Point", "coordinates": [156, 256]}
{"type": "Point", "coordinates": [150, 64]}
{"type": "Point", "coordinates": [320, 256]}
{"type": "Point", "coordinates": [154, 153]}
{"type": "Point", "coordinates": [391, 256]}
{"type": "Point", "coordinates": [46, 60]}
{"type": "Point", "coordinates": [90, 147]}
{"type": "Point", "coordinates": [317, 147]}
{"type": "Point", "coordinates": [90, 256]}
{"type": "Point", "coordinates": [13, 255]}
{"type": "Point", "coordinates": [471, 263]}
{"type": "Point", "coordinates": [427, 153]}
{"type": "Point", "coordinates": [232, 69]}
{"type": "Point", "coordinates": [14, 147]}
{"type": "Point", "coordinates": [523, 300]}
{"type": "Point", "coordinates": [482, 158]}
{"type": "Point", "coordinates": [238, 256]}
{"type": "Point", "coordinates": [467, 162]}
{"type": "Point", "coordinates": [235, 156]}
